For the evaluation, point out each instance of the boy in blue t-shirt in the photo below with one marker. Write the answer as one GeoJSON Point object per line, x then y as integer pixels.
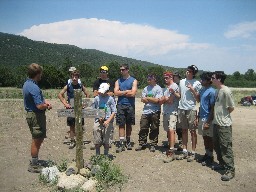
{"type": "Point", "coordinates": [103, 127]}
{"type": "Point", "coordinates": [207, 101]}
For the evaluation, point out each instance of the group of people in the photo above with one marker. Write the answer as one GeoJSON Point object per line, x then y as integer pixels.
{"type": "Point", "coordinates": [179, 111]}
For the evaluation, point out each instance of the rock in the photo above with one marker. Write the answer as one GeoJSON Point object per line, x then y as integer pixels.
{"type": "Point", "coordinates": [50, 173]}
{"type": "Point", "coordinates": [90, 185]}
{"type": "Point", "coordinates": [72, 169]}
{"type": "Point", "coordinates": [85, 172]}
{"type": "Point", "coordinates": [70, 182]}
{"type": "Point", "coordinates": [95, 169]}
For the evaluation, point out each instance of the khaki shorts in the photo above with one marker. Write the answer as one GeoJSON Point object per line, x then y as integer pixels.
{"type": "Point", "coordinates": [101, 134]}
{"type": "Point", "coordinates": [169, 122]}
{"type": "Point", "coordinates": [37, 124]}
{"type": "Point", "coordinates": [204, 132]}
{"type": "Point", "coordinates": [187, 118]}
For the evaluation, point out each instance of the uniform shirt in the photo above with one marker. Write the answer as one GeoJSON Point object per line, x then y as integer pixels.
{"type": "Point", "coordinates": [97, 83]}
{"type": "Point", "coordinates": [171, 108]}
{"type": "Point", "coordinates": [70, 81]}
{"type": "Point", "coordinates": [224, 99]}
{"type": "Point", "coordinates": [126, 84]}
{"type": "Point", "coordinates": [32, 95]}
{"type": "Point", "coordinates": [105, 102]}
{"type": "Point", "coordinates": [207, 99]}
{"type": "Point", "coordinates": [152, 91]}
{"type": "Point", "coordinates": [187, 99]}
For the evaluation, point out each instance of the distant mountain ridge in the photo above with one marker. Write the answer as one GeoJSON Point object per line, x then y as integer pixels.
{"type": "Point", "coordinates": [18, 50]}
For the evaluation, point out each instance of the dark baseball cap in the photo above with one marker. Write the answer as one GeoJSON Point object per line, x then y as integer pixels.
{"type": "Point", "coordinates": [176, 73]}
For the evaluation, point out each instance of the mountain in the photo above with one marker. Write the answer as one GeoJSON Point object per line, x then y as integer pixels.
{"type": "Point", "coordinates": [18, 50]}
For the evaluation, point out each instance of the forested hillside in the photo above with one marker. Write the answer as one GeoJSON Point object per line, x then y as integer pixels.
{"type": "Point", "coordinates": [16, 52]}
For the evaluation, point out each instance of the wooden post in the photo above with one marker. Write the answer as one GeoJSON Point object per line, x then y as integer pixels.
{"type": "Point", "coordinates": [78, 128]}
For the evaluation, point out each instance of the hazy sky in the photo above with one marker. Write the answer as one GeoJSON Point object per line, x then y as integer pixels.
{"type": "Point", "coordinates": [211, 34]}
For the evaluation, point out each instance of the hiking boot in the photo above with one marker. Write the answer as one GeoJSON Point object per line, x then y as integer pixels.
{"type": "Point", "coordinates": [191, 157]}
{"type": "Point", "coordinates": [170, 156]}
{"type": "Point", "coordinates": [208, 161]}
{"type": "Point", "coordinates": [35, 168]}
{"type": "Point", "coordinates": [72, 144]}
{"type": "Point", "coordinates": [203, 158]}
{"type": "Point", "coordinates": [182, 156]}
{"type": "Point", "coordinates": [228, 176]}
{"type": "Point", "coordinates": [141, 147]}
{"type": "Point", "coordinates": [152, 148]}
{"type": "Point", "coordinates": [218, 167]}
{"type": "Point", "coordinates": [129, 146]}
{"type": "Point", "coordinates": [120, 148]}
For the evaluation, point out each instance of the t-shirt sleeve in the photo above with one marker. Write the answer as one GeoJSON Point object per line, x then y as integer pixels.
{"type": "Point", "coordinates": [96, 85]}
{"type": "Point", "coordinates": [159, 93]}
{"type": "Point", "coordinates": [144, 93]}
{"type": "Point", "coordinates": [36, 94]}
{"type": "Point", "coordinates": [112, 85]}
{"type": "Point", "coordinates": [229, 99]}
{"type": "Point", "coordinates": [112, 105]}
{"type": "Point", "coordinates": [212, 98]}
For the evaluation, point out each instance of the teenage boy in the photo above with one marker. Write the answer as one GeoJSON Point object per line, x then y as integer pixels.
{"type": "Point", "coordinates": [125, 89]}
{"type": "Point", "coordinates": [170, 101]}
{"type": "Point", "coordinates": [150, 118]}
{"type": "Point", "coordinates": [69, 104]}
{"type": "Point", "coordinates": [207, 101]}
{"type": "Point", "coordinates": [103, 127]}
{"type": "Point", "coordinates": [187, 113]}
{"type": "Point", "coordinates": [222, 126]}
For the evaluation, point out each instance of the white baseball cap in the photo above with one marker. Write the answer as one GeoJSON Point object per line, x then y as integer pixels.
{"type": "Point", "coordinates": [104, 87]}
{"type": "Point", "coordinates": [71, 69]}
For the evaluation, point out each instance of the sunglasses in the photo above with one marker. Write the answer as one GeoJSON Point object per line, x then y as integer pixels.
{"type": "Point", "coordinates": [103, 71]}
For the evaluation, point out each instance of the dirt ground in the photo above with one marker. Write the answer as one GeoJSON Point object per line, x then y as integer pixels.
{"type": "Point", "coordinates": [146, 170]}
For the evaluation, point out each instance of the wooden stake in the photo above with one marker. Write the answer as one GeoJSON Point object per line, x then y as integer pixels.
{"type": "Point", "coordinates": [78, 128]}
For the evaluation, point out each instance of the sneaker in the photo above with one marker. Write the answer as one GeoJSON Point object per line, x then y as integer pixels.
{"type": "Point", "coordinates": [208, 161]}
{"type": "Point", "coordinates": [203, 158]}
{"type": "Point", "coordinates": [128, 146]}
{"type": "Point", "coordinates": [191, 157]}
{"type": "Point", "coordinates": [120, 148]}
{"type": "Point", "coordinates": [34, 168]}
{"type": "Point", "coordinates": [218, 167]}
{"type": "Point", "coordinates": [182, 156]}
{"type": "Point", "coordinates": [170, 156]}
{"type": "Point", "coordinates": [152, 148]}
{"type": "Point", "coordinates": [228, 176]}
{"type": "Point", "coordinates": [72, 144]}
{"type": "Point", "coordinates": [141, 147]}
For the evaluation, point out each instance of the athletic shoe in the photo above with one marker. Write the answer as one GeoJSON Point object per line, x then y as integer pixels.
{"type": "Point", "coordinates": [129, 146]}
{"type": "Point", "coordinates": [141, 147]}
{"type": "Point", "coordinates": [72, 144]}
{"type": "Point", "coordinates": [35, 168]}
{"type": "Point", "coordinates": [203, 158]}
{"type": "Point", "coordinates": [182, 156]}
{"type": "Point", "coordinates": [120, 148]}
{"type": "Point", "coordinates": [228, 176]}
{"type": "Point", "coordinates": [191, 157]}
{"type": "Point", "coordinates": [208, 161]}
{"type": "Point", "coordinates": [170, 156]}
{"type": "Point", "coordinates": [152, 148]}
{"type": "Point", "coordinates": [218, 167]}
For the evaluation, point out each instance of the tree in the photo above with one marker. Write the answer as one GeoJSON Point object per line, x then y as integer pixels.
{"type": "Point", "coordinates": [250, 75]}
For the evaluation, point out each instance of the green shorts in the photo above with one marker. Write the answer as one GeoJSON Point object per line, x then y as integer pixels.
{"type": "Point", "coordinates": [37, 124]}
